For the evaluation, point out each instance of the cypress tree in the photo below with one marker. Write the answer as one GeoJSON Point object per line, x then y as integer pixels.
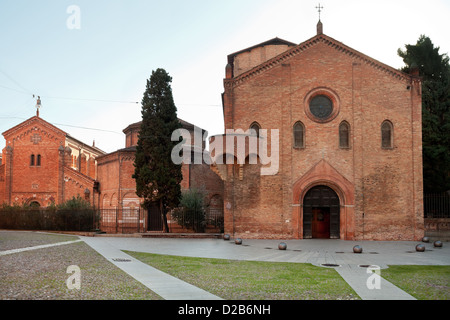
{"type": "Point", "coordinates": [157, 177]}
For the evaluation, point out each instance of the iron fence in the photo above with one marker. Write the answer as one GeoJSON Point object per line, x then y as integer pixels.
{"type": "Point", "coordinates": [125, 220]}
{"type": "Point", "coordinates": [437, 205]}
{"type": "Point", "coordinates": [199, 222]}
{"type": "Point", "coordinates": [122, 220]}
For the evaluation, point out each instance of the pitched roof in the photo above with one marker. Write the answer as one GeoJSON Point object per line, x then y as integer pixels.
{"type": "Point", "coordinates": [308, 44]}
{"type": "Point", "coordinates": [274, 41]}
{"type": "Point", "coordinates": [184, 124]}
{"type": "Point", "coordinates": [48, 125]}
{"type": "Point", "coordinates": [84, 145]}
{"type": "Point", "coordinates": [31, 120]}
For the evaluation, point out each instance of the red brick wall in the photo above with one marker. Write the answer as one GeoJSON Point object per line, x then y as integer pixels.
{"type": "Point", "coordinates": [2, 184]}
{"type": "Point", "coordinates": [32, 182]}
{"type": "Point", "coordinates": [76, 184]}
{"type": "Point", "coordinates": [108, 175]}
{"type": "Point", "coordinates": [386, 184]}
{"type": "Point", "coordinates": [51, 181]}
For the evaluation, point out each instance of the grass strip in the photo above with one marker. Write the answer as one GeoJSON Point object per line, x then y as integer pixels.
{"type": "Point", "coordinates": [422, 282]}
{"type": "Point", "coordinates": [253, 280]}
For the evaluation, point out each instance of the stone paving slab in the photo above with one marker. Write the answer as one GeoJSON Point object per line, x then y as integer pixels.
{"type": "Point", "coordinates": [43, 246]}
{"type": "Point", "coordinates": [368, 287]}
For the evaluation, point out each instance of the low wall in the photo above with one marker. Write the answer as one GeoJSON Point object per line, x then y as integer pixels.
{"type": "Point", "coordinates": [437, 228]}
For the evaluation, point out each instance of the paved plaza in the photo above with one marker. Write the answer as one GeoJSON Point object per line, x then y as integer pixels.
{"type": "Point", "coordinates": [337, 253]}
{"type": "Point", "coordinates": [355, 268]}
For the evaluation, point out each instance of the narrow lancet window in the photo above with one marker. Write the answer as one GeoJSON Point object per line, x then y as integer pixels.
{"type": "Point", "coordinates": [387, 135]}
{"type": "Point", "coordinates": [299, 135]}
{"type": "Point", "coordinates": [344, 135]}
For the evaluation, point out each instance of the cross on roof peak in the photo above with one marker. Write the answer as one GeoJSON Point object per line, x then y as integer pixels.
{"type": "Point", "coordinates": [319, 24]}
{"type": "Point", "coordinates": [319, 9]}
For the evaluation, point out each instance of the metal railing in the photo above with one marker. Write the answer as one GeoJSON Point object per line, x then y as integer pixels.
{"type": "Point", "coordinates": [122, 220]}
{"type": "Point", "coordinates": [436, 205]}
{"type": "Point", "coordinates": [199, 222]}
{"type": "Point", "coordinates": [119, 220]}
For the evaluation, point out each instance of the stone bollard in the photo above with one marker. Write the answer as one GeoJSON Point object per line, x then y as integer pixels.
{"type": "Point", "coordinates": [282, 246]}
{"type": "Point", "coordinates": [437, 244]}
{"type": "Point", "coordinates": [357, 249]}
{"type": "Point", "coordinates": [420, 248]}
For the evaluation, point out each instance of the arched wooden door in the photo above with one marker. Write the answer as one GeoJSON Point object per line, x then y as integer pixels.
{"type": "Point", "coordinates": [321, 214]}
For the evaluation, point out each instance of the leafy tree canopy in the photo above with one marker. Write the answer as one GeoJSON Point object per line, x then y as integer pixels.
{"type": "Point", "coordinates": [434, 69]}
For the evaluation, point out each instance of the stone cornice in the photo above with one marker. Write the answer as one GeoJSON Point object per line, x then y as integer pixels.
{"type": "Point", "coordinates": [324, 39]}
{"type": "Point", "coordinates": [30, 122]}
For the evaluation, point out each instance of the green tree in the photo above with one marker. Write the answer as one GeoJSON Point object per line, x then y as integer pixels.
{"type": "Point", "coordinates": [434, 69]}
{"type": "Point", "coordinates": [191, 213]}
{"type": "Point", "coordinates": [157, 177]}
{"type": "Point", "coordinates": [76, 203]}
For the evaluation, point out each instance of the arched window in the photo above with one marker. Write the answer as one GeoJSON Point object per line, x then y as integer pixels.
{"type": "Point", "coordinates": [299, 135]}
{"type": "Point", "coordinates": [38, 160]}
{"type": "Point", "coordinates": [344, 135]}
{"type": "Point", "coordinates": [255, 126]}
{"type": "Point", "coordinates": [32, 160]}
{"type": "Point", "coordinates": [387, 135]}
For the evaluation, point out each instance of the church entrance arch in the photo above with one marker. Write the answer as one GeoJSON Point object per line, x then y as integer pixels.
{"type": "Point", "coordinates": [321, 213]}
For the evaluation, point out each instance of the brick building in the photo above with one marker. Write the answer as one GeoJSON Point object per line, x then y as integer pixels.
{"type": "Point", "coordinates": [349, 164]}
{"type": "Point", "coordinates": [41, 164]}
{"type": "Point", "coordinates": [118, 187]}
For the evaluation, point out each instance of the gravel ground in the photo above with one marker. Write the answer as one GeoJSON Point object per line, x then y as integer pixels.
{"type": "Point", "coordinates": [42, 274]}
{"type": "Point", "coordinates": [22, 239]}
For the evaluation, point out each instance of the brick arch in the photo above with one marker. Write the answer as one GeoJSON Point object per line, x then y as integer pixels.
{"type": "Point", "coordinates": [215, 204]}
{"type": "Point", "coordinates": [113, 201]}
{"type": "Point", "coordinates": [324, 174]}
{"type": "Point", "coordinates": [239, 155]}
{"type": "Point", "coordinates": [32, 200]}
{"type": "Point", "coordinates": [105, 202]}
{"type": "Point", "coordinates": [131, 199]}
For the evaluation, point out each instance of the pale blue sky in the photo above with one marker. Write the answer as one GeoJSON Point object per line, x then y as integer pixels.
{"type": "Point", "coordinates": [120, 42]}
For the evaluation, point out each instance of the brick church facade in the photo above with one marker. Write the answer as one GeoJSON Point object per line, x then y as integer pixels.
{"type": "Point", "coordinates": [343, 132]}
{"type": "Point", "coordinates": [349, 144]}
{"type": "Point", "coordinates": [42, 164]}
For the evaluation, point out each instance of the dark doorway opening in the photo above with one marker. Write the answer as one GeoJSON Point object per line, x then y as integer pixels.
{"type": "Point", "coordinates": [321, 218]}
{"type": "Point", "coordinates": [155, 221]}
